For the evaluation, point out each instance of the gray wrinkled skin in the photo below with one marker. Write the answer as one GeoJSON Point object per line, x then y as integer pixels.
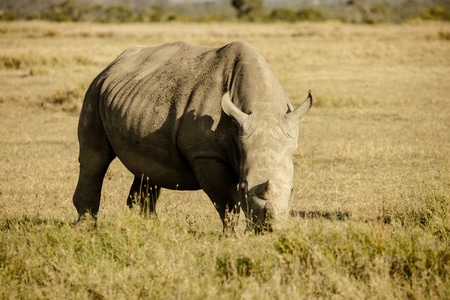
{"type": "Point", "coordinates": [185, 117]}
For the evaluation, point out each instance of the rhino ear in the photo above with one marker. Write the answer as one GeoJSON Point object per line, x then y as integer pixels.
{"type": "Point", "coordinates": [231, 110]}
{"type": "Point", "coordinates": [298, 114]}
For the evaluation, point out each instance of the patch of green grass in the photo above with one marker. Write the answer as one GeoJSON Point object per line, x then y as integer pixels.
{"type": "Point", "coordinates": [431, 213]}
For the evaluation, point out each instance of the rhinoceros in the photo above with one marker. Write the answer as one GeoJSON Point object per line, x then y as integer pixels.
{"type": "Point", "coordinates": [186, 117]}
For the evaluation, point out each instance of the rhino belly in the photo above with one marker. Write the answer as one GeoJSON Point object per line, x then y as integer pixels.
{"type": "Point", "coordinates": [156, 158]}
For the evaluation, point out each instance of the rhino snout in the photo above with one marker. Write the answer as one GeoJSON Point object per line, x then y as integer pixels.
{"type": "Point", "coordinates": [264, 219]}
{"type": "Point", "coordinates": [262, 208]}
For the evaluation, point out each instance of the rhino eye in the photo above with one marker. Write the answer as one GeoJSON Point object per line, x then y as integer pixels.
{"type": "Point", "coordinates": [243, 186]}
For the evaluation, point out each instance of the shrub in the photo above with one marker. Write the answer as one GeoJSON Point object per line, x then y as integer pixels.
{"type": "Point", "coordinates": [290, 15]}
{"type": "Point", "coordinates": [63, 12]}
{"type": "Point", "coordinates": [282, 14]}
{"type": "Point", "coordinates": [435, 13]}
{"type": "Point", "coordinates": [153, 14]}
{"type": "Point", "coordinates": [310, 14]}
{"type": "Point", "coordinates": [118, 14]}
{"type": "Point", "coordinates": [7, 16]}
{"type": "Point", "coordinates": [250, 10]}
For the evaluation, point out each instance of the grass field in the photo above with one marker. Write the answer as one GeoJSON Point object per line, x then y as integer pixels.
{"type": "Point", "coordinates": [376, 144]}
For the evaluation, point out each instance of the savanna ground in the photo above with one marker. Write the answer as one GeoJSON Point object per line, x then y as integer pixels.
{"type": "Point", "coordinates": [376, 144]}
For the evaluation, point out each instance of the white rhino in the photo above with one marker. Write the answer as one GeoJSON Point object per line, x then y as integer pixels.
{"type": "Point", "coordinates": [186, 117]}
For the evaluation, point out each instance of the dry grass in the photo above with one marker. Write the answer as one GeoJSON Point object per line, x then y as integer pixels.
{"type": "Point", "coordinates": [376, 144]}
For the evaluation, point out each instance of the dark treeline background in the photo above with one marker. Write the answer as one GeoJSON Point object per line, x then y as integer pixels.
{"type": "Point", "coordinates": [120, 11]}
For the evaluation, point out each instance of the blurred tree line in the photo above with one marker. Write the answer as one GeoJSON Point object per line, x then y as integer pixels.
{"type": "Point", "coordinates": [353, 11]}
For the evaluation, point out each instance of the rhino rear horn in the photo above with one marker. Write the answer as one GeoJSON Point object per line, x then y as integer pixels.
{"type": "Point", "coordinates": [231, 110]}
{"type": "Point", "coordinates": [298, 114]}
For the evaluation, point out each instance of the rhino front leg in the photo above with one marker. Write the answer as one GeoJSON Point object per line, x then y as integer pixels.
{"type": "Point", "coordinates": [219, 182]}
{"type": "Point", "coordinates": [145, 194]}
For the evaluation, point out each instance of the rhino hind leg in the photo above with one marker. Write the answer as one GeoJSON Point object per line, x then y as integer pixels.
{"type": "Point", "coordinates": [93, 165]}
{"type": "Point", "coordinates": [219, 182]}
{"type": "Point", "coordinates": [144, 194]}
{"type": "Point", "coordinates": [96, 153]}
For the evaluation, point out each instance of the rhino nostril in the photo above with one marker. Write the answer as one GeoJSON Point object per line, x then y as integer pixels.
{"type": "Point", "coordinates": [269, 211]}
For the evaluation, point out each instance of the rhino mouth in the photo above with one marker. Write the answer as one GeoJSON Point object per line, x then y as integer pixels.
{"type": "Point", "coordinates": [266, 224]}
{"type": "Point", "coordinates": [261, 217]}
{"type": "Point", "coordinates": [259, 211]}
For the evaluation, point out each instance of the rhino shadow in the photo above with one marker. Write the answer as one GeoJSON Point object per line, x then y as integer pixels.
{"type": "Point", "coordinates": [318, 214]}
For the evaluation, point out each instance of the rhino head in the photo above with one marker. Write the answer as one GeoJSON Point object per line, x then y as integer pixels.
{"type": "Point", "coordinates": [266, 172]}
